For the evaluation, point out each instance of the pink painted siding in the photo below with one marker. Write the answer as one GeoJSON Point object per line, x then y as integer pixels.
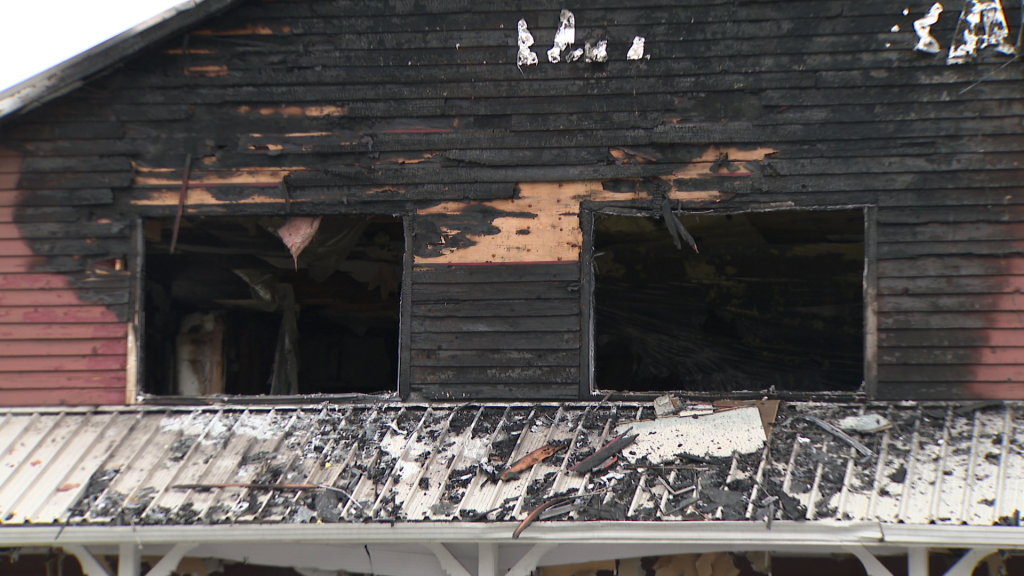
{"type": "Point", "coordinates": [55, 348]}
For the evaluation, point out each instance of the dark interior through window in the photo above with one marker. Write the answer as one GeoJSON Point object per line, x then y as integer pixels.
{"type": "Point", "coordinates": [232, 311]}
{"type": "Point", "coordinates": [771, 299]}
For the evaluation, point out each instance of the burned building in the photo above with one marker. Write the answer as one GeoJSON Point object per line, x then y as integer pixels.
{"type": "Point", "coordinates": [331, 262]}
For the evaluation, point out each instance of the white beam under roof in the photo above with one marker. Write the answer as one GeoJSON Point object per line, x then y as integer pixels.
{"type": "Point", "coordinates": [711, 535]}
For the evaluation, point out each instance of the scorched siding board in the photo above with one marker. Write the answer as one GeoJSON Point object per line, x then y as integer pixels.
{"type": "Point", "coordinates": [498, 347]}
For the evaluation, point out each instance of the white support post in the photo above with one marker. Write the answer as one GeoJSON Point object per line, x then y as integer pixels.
{"type": "Point", "coordinates": [449, 563]}
{"type": "Point", "coordinates": [90, 565]}
{"type": "Point", "coordinates": [527, 564]}
{"type": "Point", "coordinates": [170, 561]}
{"type": "Point", "coordinates": [129, 560]}
{"type": "Point", "coordinates": [487, 563]}
{"type": "Point", "coordinates": [968, 562]}
{"type": "Point", "coordinates": [917, 562]}
{"type": "Point", "coordinates": [871, 564]}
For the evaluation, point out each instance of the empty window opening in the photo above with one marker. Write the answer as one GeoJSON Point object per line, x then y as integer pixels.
{"type": "Point", "coordinates": [231, 311]}
{"type": "Point", "coordinates": [772, 299]}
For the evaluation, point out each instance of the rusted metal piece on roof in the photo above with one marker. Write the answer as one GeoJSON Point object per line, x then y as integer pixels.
{"type": "Point", "coordinates": [923, 27]}
{"type": "Point", "coordinates": [604, 453]}
{"type": "Point", "coordinates": [982, 25]}
{"type": "Point", "coordinates": [530, 459]}
{"type": "Point", "coordinates": [181, 201]}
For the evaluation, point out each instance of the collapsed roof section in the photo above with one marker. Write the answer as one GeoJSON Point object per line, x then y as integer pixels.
{"type": "Point", "coordinates": [909, 463]}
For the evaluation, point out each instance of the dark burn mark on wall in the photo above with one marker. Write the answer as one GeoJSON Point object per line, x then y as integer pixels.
{"type": "Point", "coordinates": [437, 234]}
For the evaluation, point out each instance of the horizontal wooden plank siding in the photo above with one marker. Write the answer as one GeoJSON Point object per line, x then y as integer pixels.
{"type": "Point", "coordinates": [63, 313]}
{"type": "Point", "coordinates": [950, 302]}
{"type": "Point", "coordinates": [419, 108]}
{"type": "Point", "coordinates": [497, 331]}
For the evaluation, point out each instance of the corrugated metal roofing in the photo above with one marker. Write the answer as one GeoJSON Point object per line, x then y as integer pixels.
{"type": "Point", "coordinates": [397, 463]}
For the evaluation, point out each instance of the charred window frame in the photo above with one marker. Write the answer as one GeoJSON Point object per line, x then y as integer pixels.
{"type": "Point", "coordinates": [589, 213]}
{"type": "Point", "coordinates": [138, 390]}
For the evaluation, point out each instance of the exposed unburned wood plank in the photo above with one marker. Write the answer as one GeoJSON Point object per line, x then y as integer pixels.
{"type": "Point", "coordinates": [497, 341]}
{"type": "Point", "coordinates": [490, 391]}
{"type": "Point", "coordinates": [62, 331]}
{"type": "Point", "coordinates": [955, 285]}
{"type": "Point", "coordinates": [969, 356]}
{"type": "Point", "coordinates": [95, 347]}
{"type": "Point", "coordinates": [954, 338]}
{"type": "Point", "coordinates": [525, 272]}
{"type": "Point", "coordinates": [957, 303]}
{"type": "Point", "coordinates": [61, 363]}
{"type": "Point", "coordinates": [72, 395]}
{"type": "Point", "coordinates": [887, 320]}
{"type": "Point", "coordinates": [545, 324]}
{"type": "Point", "coordinates": [515, 308]}
{"type": "Point", "coordinates": [494, 358]}
{"type": "Point", "coordinates": [60, 314]}
{"type": "Point", "coordinates": [493, 374]}
{"type": "Point", "coordinates": [494, 291]}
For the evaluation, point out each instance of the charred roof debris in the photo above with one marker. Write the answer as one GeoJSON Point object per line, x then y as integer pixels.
{"type": "Point", "coordinates": [726, 460]}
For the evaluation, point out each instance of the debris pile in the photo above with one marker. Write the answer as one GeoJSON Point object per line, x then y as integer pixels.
{"type": "Point", "coordinates": [664, 460]}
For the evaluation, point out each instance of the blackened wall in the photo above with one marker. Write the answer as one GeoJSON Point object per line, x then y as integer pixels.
{"type": "Point", "coordinates": [419, 108]}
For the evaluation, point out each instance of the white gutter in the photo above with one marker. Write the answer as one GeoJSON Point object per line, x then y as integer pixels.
{"type": "Point", "coordinates": [752, 536]}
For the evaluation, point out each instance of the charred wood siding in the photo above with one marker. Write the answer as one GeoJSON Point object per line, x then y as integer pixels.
{"type": "Point", "coordinates": [404, 107]}
{"type": "Point", "coordinates": [496, 331]}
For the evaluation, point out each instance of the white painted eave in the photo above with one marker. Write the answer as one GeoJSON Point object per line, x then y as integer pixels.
{"type": "Point", "coordinates": [714, 535]}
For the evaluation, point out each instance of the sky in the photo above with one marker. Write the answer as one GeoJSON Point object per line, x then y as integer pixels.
{"type": "Point", "coordinates": [39, 34]}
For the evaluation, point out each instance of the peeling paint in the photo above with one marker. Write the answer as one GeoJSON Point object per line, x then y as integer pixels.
{"type": "Point", "coordinates": [549, 211]}
{"type": "Point", "coordinates": [296, 111]}
{"type": "Point", "coordinates": [982, 25]}
{"type": "Point", "coordinates": [564, 37]}
{"type": "Point", "coordinates": [255, 175]}
{"type": "Point", "coordinates": [211, 71]}
{"type": "Point", "coordinates": [596, 52]}
{"type": "Point", "coordinates": [636, 51]}
{"type": "Point", "coordinates": [526, 57]}
{"type": "Point", "coordinates": [926, 42]}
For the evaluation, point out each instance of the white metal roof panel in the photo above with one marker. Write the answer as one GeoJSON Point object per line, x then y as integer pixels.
{"type": "Point", "coordinates": [943, 464]}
